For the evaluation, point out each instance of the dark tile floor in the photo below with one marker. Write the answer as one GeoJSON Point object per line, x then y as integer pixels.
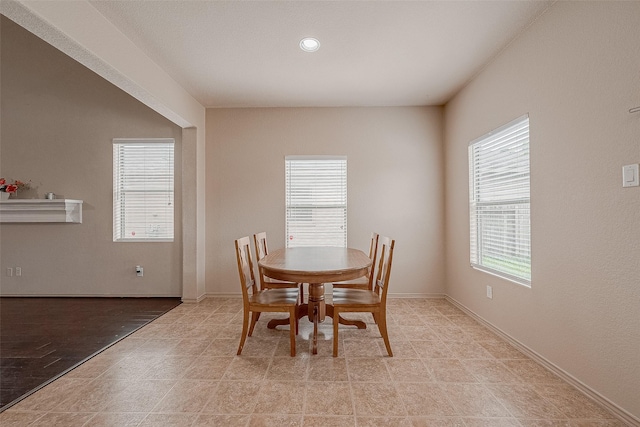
{"type": "Point", "coordinates": [42, 338]}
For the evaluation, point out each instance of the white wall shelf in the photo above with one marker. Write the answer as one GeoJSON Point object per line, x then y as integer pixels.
{"type": "Point", "coordinates": [41, 210]}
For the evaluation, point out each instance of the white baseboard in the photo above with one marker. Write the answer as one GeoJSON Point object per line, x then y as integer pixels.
{"type": "Point", "coordinates": [194, 300]}
{"type": "Point", "coordinates": [407, 296]}
{"type": "Point", "coordinates": [223, 295]}
{"type": "Point", "coordinates": [617, 411]}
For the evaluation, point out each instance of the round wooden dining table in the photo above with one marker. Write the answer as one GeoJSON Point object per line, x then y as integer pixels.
{"type": "Point", "coordinates": [316, 266]}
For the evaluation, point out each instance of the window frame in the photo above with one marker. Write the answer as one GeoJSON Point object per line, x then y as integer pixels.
{"type": "Point", "coordinates": [340, 196]}
{"type": "Point", "coordinates": [490, 202]}
{"type": "Point", "coordinates": [119, 203]}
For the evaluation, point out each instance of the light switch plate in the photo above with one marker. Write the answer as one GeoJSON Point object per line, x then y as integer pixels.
{"type": "Point", "coordinates": [630, 176]}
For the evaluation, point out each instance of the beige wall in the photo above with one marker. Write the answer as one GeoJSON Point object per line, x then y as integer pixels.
{"type": "Point", "coordinates": [58, 121]}
{"type": "Point", "coordinates": [79, 30]}
{"type": "Point", "coordinates": [394, 158]}
{"type": "Point", "coordinates": [576, 71]}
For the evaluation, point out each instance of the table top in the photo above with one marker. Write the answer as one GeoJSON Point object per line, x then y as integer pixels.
{"type": "Point", "coordinates": [316, 264]}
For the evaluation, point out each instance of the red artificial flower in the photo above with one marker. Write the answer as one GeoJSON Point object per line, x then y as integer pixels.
{"type": "Point", "coordinates": [2, 181]}
{"type": "Point", "coordinates": [10, 188]}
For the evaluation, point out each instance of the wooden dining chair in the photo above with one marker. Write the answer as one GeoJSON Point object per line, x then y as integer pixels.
{"type": "Point", "coordinates": [264, 300]}
{"type": "Point", "coordinates": [368, 301]}
{"type": "Point", "coordinates": [364, 282]}
{"type": "Point", "coordinates": [262, 250]}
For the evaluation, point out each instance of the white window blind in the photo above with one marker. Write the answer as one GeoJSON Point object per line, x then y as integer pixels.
{"type": "Point", "coordinates": [143, 190]}
{"type": "Point", "coordinates": [499, 202]}
{"type": "Point", "coordinates": [316, 201]}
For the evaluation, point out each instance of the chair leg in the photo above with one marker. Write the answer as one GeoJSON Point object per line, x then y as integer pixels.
{"type": "Point", "coordinates": [375, 318]}
{"type": "Point", "coordinates": [245, 326]}
{"type": "Point", "coordinates": [293, 330]}
{"type": "Point", "coordinates": [336, 319]}
{"type": "Point", "coordinates": [382, 326]}
{"type": "Point", "coordinates": [255, 315]}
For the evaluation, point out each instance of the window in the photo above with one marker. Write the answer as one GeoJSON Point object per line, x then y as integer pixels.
{"type": "Point", "coordinates": [316, 201]}
{"type": "Point", "coordinates": [499, 202]}
{"type": "Point", "coordinates": [143, 194]}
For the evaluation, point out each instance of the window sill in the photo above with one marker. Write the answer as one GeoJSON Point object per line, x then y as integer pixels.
{"type": "Point", "coordinates": [504, 276]}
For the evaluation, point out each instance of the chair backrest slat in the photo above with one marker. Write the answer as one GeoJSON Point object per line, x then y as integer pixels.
{"type": "Point", "coordinates": [384, 266]}
{"type": "Point", "coordinates": [262, 250]}
{"type": "Point", "coordinates": [373, 254]}
{"type": "Point", "coordinates": [260, 240]}
{"type": "Point", "coordinates": [373, 246]}
{"type": "Point", "coordinates": [245, 265]}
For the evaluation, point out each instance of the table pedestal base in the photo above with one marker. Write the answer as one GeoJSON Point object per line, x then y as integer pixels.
{"type": "Point", "coordinates": [316, 310]}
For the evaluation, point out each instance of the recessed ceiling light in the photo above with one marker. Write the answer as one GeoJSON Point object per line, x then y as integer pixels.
{"type": "Point", "coordinates": [309, 44]}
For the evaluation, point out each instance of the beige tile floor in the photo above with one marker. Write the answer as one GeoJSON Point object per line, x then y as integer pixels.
{"type": "Point", "coordinates": [181, 370]}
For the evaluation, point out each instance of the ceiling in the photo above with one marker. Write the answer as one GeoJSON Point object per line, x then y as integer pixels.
{"type": "Point", "coordinates": [372, 53]}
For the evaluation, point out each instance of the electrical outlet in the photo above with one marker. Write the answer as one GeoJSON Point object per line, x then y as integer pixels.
{"type": "Point", "coordinates": [489, 292]}
{"type": "Point", "coordinates": [18, 271]}
{"type": "Point", "coordinates": [9, 271]}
